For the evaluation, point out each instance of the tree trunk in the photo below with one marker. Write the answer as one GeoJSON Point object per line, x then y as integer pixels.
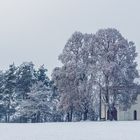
{"type": "Point", "coordinates": [71, 115]}
{"type": "Point", "coordinates": [86, 115]}
{"type": "Point", "coordinates": [68, 117]}
{"type": "Point", "coordinates": [100, 106]}
{"type": "Point", "coordinates": [38, 117]}
{"type": "Point", "coordinates": [6, 118]}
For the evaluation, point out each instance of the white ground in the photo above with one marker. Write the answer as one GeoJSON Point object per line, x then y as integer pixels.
{"type": "Point", "coordinates": [71, 131]}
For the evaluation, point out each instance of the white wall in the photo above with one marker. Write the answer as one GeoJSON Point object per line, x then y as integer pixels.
{"type": "Point", "coordinates": [129, 114]}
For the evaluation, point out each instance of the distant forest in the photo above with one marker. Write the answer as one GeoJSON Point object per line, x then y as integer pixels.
{"type": "Point", "coordinates": [96, 69]}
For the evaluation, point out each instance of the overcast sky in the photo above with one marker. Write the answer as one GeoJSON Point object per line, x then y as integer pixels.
{"type": "Point", "coordinates": [37, 30]}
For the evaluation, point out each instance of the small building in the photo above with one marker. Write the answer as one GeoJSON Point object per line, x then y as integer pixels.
{"type": "Point", "coordinates": [131, 114]}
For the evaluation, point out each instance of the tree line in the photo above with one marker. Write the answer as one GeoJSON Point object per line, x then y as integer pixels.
{"type": "Point", "coordinates": [26, 94]}
{"type": "Point", "coordinates": [96, 69]}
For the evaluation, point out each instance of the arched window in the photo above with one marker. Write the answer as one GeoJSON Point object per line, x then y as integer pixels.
{"type": "Point", "coordinates": [135, 115]}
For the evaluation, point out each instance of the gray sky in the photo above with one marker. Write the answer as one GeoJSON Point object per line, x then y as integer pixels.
{"type": "Point", "coordinates": [37, 30]}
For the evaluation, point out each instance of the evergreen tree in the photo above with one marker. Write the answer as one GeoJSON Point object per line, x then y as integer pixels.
{"type": "Point", "coordinates": [26, 78]}
{"type": "Point", "coordinates": [41, 75]}
{"type": "Point", "coordinates": [38, 107]}
{"type": "Point", "coordinates": [9, 92]}
{"type": "Point", "coordinates": [2, 107]}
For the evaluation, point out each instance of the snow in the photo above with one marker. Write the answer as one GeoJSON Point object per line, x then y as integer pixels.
{"type": "Point", "coordinates": [71, 131]}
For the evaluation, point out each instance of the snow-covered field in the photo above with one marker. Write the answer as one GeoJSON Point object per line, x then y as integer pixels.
{"type": "Point", "coordinates": [71, 131]}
